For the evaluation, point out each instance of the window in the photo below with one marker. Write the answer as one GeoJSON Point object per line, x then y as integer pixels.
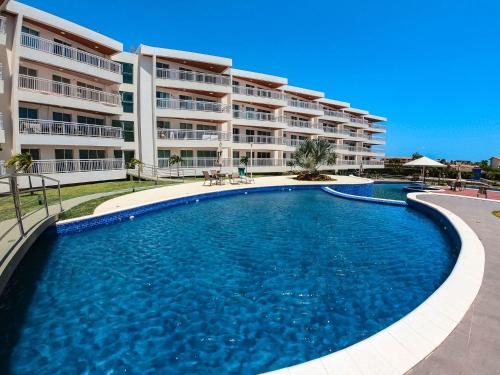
{"type": "Point", "coordinates": [163, 124]}
{"type": "Point", "coordinates": [163, 154]}
{"type": "Point", "coordinates": [90, 120]}
{"type": "Point", "coordinates": [27, 71]}
{"type": "Point", "coordinates": [60, 116]}
{"type": "Point", "coordinates": [127, 73]}
{"type": "Point", "coordinates": [117, 154]}
{"type": "Point", "coordinates": [28, 113]}
{"type": "Point", "coordinates": [160, 65]}
{"type": "Point", "coordinates": [60, 85]}
{"type": "Point", "coordinates": [128, 129]}
{"type": "Point", "coordinates": [63, 154]}
{"type": "Point", "coordinates": [128, 155]}
{"type": "Point", "coordinates": [263, 155]}
{"type": "Point", "coordinates": [34, 152]}
{"type": "Point", "coordinates": [127, 101]}
{"type": "Point", "coordinates": [206, 154]}
{"type": "Point", "coordinates": [186, 153]}
{"type": "Point", "coordinates": [206, 127]}
{"type": "Point", "coordinates": [29, 31]}
{"type": "Point", "coordinates": [92, 154]}
{"type": "Point", "coordinates": [236, 154]}
{"type": "Point", "coordinates": [185, 126]}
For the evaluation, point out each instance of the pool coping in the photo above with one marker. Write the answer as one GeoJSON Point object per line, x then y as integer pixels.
{"type": "Point", "coordinates": [399, 347]}
{"type": "Point", "coordinates": [390, 202]}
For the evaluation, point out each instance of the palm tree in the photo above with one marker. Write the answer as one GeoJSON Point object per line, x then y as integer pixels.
{"type": "Point", "coordinates": [175, 160]}
{"type": "Point", "coordinates": [23, 163]}
{"type": "Point", "coordinates": [244, 160]}
{"type": "Point", "coordinates": [314, 153]}
{"type": "Point", "coordinates": [416, 155]}
{"type": "Point", "coordinates": [135, 163]}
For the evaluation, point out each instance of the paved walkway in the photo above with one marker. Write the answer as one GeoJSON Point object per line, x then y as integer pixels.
{"type": "Point", "coordinates": [182, 190]}
{"type": "Point", "coordinates": [474, 346]}
{"type": "Point", "coordinates": [472, 193]}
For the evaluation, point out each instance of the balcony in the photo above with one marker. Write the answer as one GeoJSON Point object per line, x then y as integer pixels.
{"type": "Point", "coordinates": [35, 90]}
{"type": "Point", "coordinates": [258, 142]}
{"type": "Point", "coordinates": [192, 109]}
{"type": "Point", "coordinates": [301, 126]}
{"type": "Point", "coordinates": [379, 140]}
{"type": "Point", "coordinates": [379, 128]}
{"type": "Point", "coordinates": [354, 121]}
{"type": "Point", "coordinates": [61, 55]}
{"type": "Point", "coordinates": [3, 33]}
{"type": "Point", "coordinates": [191, 138]}
{"type": "Point", "coordinates": [335, 116]}
{"type": "Point", "coordinates": [273, 98]}
{"type": "Point", "coordinates": [258, 119]}
{"type": "Point", "coordinates": [32, 131]}
{"type": "Point", "coordinates": [306, 107]}
{"type": "Point", "coordinates": [72, 171]}
{"type": "Point", "coordinates": [188, 80]}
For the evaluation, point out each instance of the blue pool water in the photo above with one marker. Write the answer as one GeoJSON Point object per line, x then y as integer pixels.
{"type": "Point", "coordinates": [390, 191]}
{"type": "Point", "coordinates": [242, 284]}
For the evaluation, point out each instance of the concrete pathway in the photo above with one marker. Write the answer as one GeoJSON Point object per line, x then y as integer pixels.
{"type": "Point", "coordinates": [474, 346]}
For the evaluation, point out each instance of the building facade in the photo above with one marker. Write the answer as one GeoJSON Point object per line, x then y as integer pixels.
{"type": "Point", "coordinates": [82, 107]}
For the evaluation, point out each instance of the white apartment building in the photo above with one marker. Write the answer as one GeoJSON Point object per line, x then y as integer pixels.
{"type": "Point", "coordinates": [82, 107]}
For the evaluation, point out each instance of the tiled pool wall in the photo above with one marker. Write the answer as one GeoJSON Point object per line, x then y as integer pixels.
{"type": "Point", "coordinates": [365, 189]}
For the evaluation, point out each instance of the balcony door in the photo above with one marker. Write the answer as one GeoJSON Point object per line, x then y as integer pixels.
{"type": "Point", "coordinates": [64, 160]}
{"type": "Point", "coordinates": [63, 124]}
{"type": "Point", "coordinates": [60, 85]}
{"type": "Point", "coordinates": [35, 155]}
{"type": "Point", "coordinates": [61, 48]}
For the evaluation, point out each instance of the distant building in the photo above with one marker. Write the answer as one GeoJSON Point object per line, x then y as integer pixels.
{"type": "Point", "coordinates": [495, 162]}
{"type": "Point", "coordinates": [397, 159]}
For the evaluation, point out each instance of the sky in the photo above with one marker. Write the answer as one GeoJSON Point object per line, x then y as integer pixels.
{"type": "Point", "coordinates": [431, 67]}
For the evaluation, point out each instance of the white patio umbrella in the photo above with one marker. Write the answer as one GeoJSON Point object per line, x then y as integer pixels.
{"type": "Point", "coordinates": [424, 162]}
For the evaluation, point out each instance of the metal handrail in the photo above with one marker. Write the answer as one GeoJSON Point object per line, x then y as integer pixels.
{"type": "Point", "coordinates": [186, 75]}
{"type": "Point", "coordinates": [65, 89]}
{"type": "Point", "coordinates": [40, 126]}
{"type": "Point", "coordinates": [14, 191]}
{"type": "Point", "coordinates": [255, 91]}
{"type": "Point", "coordinates": [72, 53]}
{"type": "Point", "coordinates": [191, 105]}
{"type": "Point", "coordinates": [76, 165]}
{"type": "Point", "coordinates": [198, 135]}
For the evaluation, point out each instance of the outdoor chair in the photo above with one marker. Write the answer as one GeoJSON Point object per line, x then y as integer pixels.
{"type": "Point", "coordinates": [234, 178]}
{"type": "Point", "coordinates": [482, 191]}
{"type": "Point", "coordinates": [208, 177]}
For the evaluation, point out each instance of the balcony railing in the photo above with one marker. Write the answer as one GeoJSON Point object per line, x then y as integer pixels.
{"type": "Point", "coordinates": [59, 49]}
{"type": "Point", "coordinates": [197, 135]}
{"type": "Point", "coordinates": [64, 89]}
{"type": "Point", "coordinates": [258, 116]}
{"type": "Point", "coordinates": [373, 162]}
{"type": "Point", "coordinates": [192, 105]}
{"type": "Point", "coordinates": [337, 114]}
{"type": "Point", "coordinates": [183, 75]}
{"type": "Point", "coordinates": [304, 104]}
{"type": "Point", "coordinates": [262, 93]}
{"type": "Point", "coordinates": [75, 165]}
{"type": "Point", "coordinates": [260, 139]}
{"type": "Point", "coordinates": [303, 124]}
{"type": "Point", "coordinates": [261, 162]}
{"type": "Point", "coordinates": [378, 126]}
{"type": "Point", "coordinates": [3, 22]}
{"type": "Point", "coordinates": [195, 163]}
{"type": "Point", "coordinates": [359, 121]}
{"type": "Point", "coordinates": [50, 127]}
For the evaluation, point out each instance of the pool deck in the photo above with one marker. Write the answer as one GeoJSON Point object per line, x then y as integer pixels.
{"type": "Point", "coordinates": [193, 188]}
{"type": "Point", "coordinates": [494, 195]}
{"type": "Point", "coordinates": [474, 346]}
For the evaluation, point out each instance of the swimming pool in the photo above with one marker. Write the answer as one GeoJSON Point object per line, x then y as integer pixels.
{"type": "Point", "coordinates": [242, 284]}
{"type": "Point", "coordinates": [393, 190]}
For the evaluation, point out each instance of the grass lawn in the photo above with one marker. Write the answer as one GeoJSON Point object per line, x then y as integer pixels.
{"type": "Point", "coordinates": [31, 202]}
{"type": "Point", "coordinates": [86, 208]}
{"type": "Point", "coordinates": [496, 213]}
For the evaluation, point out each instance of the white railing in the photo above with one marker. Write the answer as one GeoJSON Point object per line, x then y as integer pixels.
{"type": "Point", "coordinates": [191, 105]}
{"type": "Point", "coordinates": [304, 104]}
{"type": "Point", "coordinates": [378, 126]}
{"type": "Point", "coordinates": [303, 124]}
{"type": "Point", "coordinates": [261, 162]}
{"type": "Point", "coordinates": [183, 75]}
{"type": "Point", "coordinates": [39, 126]}
{"type": "Point", "coordinates": [195, 163]}
{"type": "Point", "coordinates": [294, 142]}
{"type": "Point", "coordinates": [337, 114]}
{"type": "Point", "coordinates": [75, 165]}
{"type": "Point", "coordinates": [64, 89]}
{"type": "Point", "coordinates": [260, 139]}
{"type": "Point", "coordinates": [263, 93]}
{"type": "Point", "coordinates": [373, 162]}
{"type": "Point", "coordinates": [359, 121]}
{"type": "Point", "coordinates": [72, 53]}
{"type": "Point", "coordinates": [377, 139]}
{"type": "Point", "coordinates": [3, 22]}
{"type": "Point", "coordinates": [198, 135]}
{"type": "Point", "coordinates": [258, 116]}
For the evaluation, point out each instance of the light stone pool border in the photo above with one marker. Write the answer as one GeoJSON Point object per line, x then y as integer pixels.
{"type": "Point", "coordinates": [402, 345]}
{"type": "Point", "coordinates": [399, 347]}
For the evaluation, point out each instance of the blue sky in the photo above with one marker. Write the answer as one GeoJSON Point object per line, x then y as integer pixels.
{"type": "Point", "coordinates": [431, 67]}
